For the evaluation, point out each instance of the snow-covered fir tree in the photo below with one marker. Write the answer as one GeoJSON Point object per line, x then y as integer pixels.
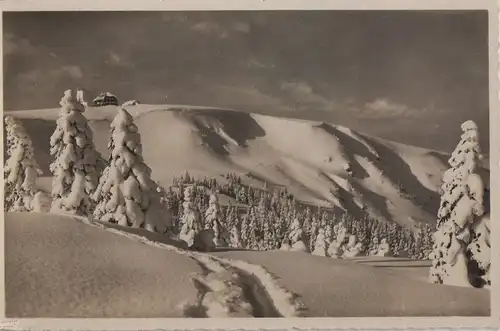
{"type": "Point", "coordinates": [306, 225]}
{"type": "Point", "coordinates": [242, 195]}
{"type": "Point", "coordinates": [351, 242]}
{"type": "Point", "coordinates": [341, 234]}
{"type": "Point", "coordinates": [232, 217]}
{"type": "Point", "coordinates": [245, 229]}
{"type": "Point", "coordinates": [321, 245]}
{"type": "Point", "coordinates": [313, 232]}
{"type": "Point", "coordinates": [461, 206]}
{"type": "Point", "coordinates": [75, 159]}
{"type": "Point", "coordinates": [191, 220]}
{"type": "Point", "coordinates": [373, 247]}
{"type": "Point", "coordinates": [383, 248]}
{"type": "Point", "coordinates": [324, 222]}
{"type": "Point", "coordinates": [251, 237]}
{"type": "Point", "coordinates": [296, 236]}
{"type": "Point", "coordinates": [126, 194]}
{"type": "Point", "coordinates": [21, 169]}
{"type": "Point", "coordinates": [235, 237]}
{"type": "Point", "coordinates": [329, 232]}
{"type": "Point", "coordinates": [213, 220]}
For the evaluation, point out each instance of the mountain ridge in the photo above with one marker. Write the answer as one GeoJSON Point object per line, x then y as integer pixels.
{"type": "Point", "coordinates": [345, 170]}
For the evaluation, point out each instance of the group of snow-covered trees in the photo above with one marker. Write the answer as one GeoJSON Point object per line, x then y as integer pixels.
{"type": "Point", "coordinates": [461, 252]}
{"type": "Point", "coordinates": [123, 193]}
{"type": "Point", "coordinates": [274, 220]}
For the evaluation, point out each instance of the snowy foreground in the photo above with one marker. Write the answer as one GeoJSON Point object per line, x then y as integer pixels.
{"type": "Point", "coordinates": [59, 266]}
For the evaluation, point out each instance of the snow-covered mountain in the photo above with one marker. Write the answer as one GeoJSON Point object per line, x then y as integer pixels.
{"type": "Point", "coordinates": [125, 273]}
{"type": "Point", "coordinates": [320, 163]}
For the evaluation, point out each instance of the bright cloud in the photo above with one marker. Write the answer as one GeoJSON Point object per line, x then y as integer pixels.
{"type": "Point", "coordinates": [382, 107]}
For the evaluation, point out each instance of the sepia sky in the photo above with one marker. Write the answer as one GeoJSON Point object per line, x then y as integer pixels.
{"type": "Point", "coordinates": [412, 77]}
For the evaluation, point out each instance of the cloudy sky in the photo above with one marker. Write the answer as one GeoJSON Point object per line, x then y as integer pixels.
{"type": "Point", "coordinates": [407, 76]}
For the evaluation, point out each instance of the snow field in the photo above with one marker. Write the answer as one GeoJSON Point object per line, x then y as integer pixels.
{"type": "Point", "coordinates": [341, 288]}
{"type": "Point", "coordinates": [224, 292]}
{"type": "Point", "coordinates": [58, 267]}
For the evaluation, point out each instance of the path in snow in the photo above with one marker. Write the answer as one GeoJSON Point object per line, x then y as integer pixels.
{"type": "Point", "coordinates": [226, 288]}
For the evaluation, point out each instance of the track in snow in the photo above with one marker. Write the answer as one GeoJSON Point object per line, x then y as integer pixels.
{"type": "Point", "coordinates": [227, 288]}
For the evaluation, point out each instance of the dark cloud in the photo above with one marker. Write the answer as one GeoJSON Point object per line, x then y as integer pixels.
{"type": "Point", "coordinates": [386, 73]}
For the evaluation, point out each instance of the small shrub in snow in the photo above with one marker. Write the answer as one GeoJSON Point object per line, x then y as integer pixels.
{"type": "Point", "coordinates": [21, 169]}
{"type": "Point", "coordinates": [461, 205]}
{"type": "Point", "coordinates": [334, 250]}
{"type": "Point", "coordinates": [75, 159]}
{"type": "Point", "coordinates": [354, 251]}
{"type": "Point", "coordinates": [41, 202]}
{"type": "Point", "coordinates": [126, 194]}
{"type": "Point", "coordinates": [285, 245]}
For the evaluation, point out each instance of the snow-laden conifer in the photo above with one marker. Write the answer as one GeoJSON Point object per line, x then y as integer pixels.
{"type": "Point", "coordinates": [321, 245]}
{"type": "Point", "coordinates": [191, 220]}
{"type": "Point", "coordinates": [461, 205]}
{"type": "Point", "coordinates": [126, 194]}
{"type": "Point", "coordinates": [75, 159]}
{"type": "Point", "coordinates": [296, 236]}
{"type": "Point", "coordinates": [252, 238]}
{"type": "Point", "coordinates": [21, 169]}
{"type": "Point", "coordinates": [235, 237]}
{"type": "Point", "coordinates": [384, 248]}
{"type": "Point", "coordinates": [213, 220]}
{"type": "Point", "coordinates": [313, 232]}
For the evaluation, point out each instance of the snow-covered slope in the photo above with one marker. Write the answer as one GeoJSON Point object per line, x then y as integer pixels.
{"type": "Point", "coordinates": [62, 266]}
{"type": "Point", "coordinates": [56, 266]}
{"type": "Point", "coordinates": [68, 266]}
{"type": "Point", "coordinates": [320, 163]}
{"type": "Point", "coordinates": [343, 288]}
